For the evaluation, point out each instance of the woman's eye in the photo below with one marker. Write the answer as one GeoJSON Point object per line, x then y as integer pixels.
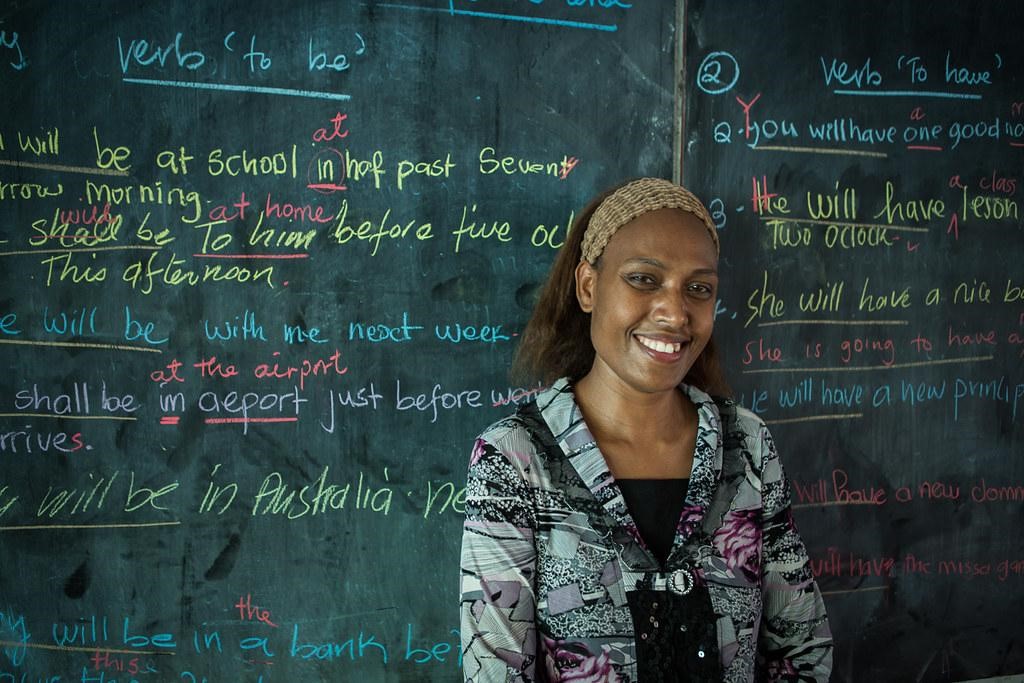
{"type": "Point", "coordinates": [701, 290]}
{"type": "Point", "coordinates": [641, 280]}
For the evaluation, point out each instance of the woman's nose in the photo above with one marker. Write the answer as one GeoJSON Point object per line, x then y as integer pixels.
{"type": "Point", "coordinates": [670, 308]}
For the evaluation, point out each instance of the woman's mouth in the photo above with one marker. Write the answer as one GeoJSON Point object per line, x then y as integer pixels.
{"type": "Point", "coordinates": [658, 345]}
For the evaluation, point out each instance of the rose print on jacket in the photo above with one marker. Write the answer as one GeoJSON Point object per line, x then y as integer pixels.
{"type": "Point", "coordinates": [739, 542]}
{"type": "Point", "coordinates": [571, 661]}
{"type": "Point", "coordinates": [690, 520]}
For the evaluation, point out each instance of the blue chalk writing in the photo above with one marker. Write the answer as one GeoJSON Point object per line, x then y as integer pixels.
{"type": "Point", "coordinates": [998, 390]}
{"type": "Point", "coordinates": [457, 332]}
{"type": "Point", "coordinates": [9, 40]}
{"type": "Point", "coordinates": [133, 329]}
{"type": "Point", "coordinates": [353, 648]}
{"type": "Point", "coordinates": [14, 624]}
{"type": "Point", "coordinates": [519, 18]}
{"type": "Point", "coordinates": [87, 631]}
{"type": "Point", "coordinates": [242, 327]}
{"type": "Point", "coordinates": [138, 51]}
{"type": "Point", "coordinates": [438, 652]}
{"type": "Point", "coordinates": [228, 87]}
{"type": "Point", "coordinates": [7, 323]}
{"type": "Point", "coordinates": [297, 334]}
{"type": "Point", "coordinates": [379, 332]}
{"type": "Point", "coordinates": [77, 323]}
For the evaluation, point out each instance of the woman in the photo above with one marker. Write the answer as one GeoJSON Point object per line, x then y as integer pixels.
{"type": "Point", "coordinates": [626, 526]}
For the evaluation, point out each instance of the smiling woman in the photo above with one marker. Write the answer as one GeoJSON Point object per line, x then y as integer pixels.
{"type": "Point", "coordinates": [631, 523]}
{"type": "Point", "coordinates": [557, 340]}
{"type": "Point", "coordinates": [651, 297]}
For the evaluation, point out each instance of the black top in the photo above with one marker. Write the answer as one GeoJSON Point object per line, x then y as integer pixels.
{"type": "Point", "coordinates": [670, 627]}
{"type": "Point", "coordinates": [655, 505]}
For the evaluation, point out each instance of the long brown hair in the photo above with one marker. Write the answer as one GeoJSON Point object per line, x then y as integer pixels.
{"type": "Point", "coordinates": [556, 341]}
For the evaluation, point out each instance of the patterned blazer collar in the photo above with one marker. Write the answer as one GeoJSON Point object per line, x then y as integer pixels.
{"type": "Point", "coordinates": [563, 417]}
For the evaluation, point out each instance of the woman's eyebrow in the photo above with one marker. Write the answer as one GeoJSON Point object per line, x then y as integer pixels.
{"type": "Point", "coordinates": [648, 261]}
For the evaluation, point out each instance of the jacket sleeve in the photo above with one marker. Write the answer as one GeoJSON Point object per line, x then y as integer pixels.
{"type": "Point", "coordinates": [795, 642]}
{"type": "Point", "coordinates": [498, 609]}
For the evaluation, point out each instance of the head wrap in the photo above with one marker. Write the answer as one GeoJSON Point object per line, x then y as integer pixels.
{"type": "Point", "coordinates": [634, 199]}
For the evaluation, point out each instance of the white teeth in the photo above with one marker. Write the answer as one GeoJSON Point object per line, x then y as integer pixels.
{"type": "Point", "coordinates": [660, 346]}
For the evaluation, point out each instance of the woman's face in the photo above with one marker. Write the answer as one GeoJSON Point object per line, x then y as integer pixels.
{"type": "Point", "coordinates": [652, 300]}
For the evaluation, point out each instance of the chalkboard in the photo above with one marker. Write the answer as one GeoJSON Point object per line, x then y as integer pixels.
{"type": "Point", "coordinates": [262, 269]}
{"type": "Point", "coordinates": [864, 162]}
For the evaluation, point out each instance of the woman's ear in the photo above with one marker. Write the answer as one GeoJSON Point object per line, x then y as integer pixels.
{"type": "Point", "coordinates": [586, 282]}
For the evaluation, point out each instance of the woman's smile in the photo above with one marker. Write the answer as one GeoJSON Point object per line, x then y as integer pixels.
{"type": "Point", "coordinates": [661, 350]}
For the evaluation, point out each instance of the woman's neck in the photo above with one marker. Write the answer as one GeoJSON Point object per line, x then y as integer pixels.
{"type": "Point", "coordinates": [626, 414]}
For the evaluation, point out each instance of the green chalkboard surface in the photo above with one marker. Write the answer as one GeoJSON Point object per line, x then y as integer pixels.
{"type": "Point", "coordinates": [864, 162]}
{"type": "Point", "coordinates": [262, 268]}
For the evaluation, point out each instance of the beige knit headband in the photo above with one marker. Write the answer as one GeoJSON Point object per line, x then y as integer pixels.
{"type": "Point", "coordinates": [635, 199]}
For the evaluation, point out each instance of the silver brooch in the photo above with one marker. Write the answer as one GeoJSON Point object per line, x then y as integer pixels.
{"type": "Point", "coordinates": [681, 581]}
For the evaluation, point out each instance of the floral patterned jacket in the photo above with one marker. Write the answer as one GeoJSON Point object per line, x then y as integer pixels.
{"type": "Point", "coordinates": [557, 584]}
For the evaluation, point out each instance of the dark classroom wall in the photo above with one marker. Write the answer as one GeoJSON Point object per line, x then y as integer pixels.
{"type": "Point", "coordinates": [864, 162]}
